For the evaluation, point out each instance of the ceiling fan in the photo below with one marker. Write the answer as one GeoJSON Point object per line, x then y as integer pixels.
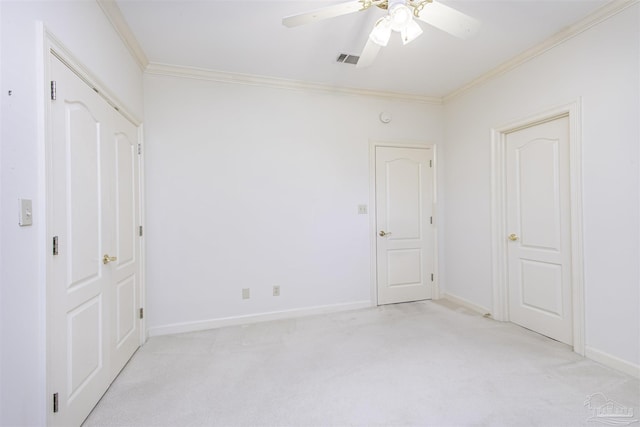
{"type": "Point", "coordinates": [399, 18]}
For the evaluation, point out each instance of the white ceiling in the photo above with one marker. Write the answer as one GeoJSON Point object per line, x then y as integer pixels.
{"type": "Point", "coordinates": [248, 37]}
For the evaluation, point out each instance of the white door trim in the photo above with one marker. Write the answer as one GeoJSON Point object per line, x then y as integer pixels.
{"type": "Point", "coordinates": [52, 46]}
{"type": "Point", "coordinates": [498, 215]}
{"type": "Point", "coordinates": [144, 335]}
{"type": "Point", "coordinates": [373, 144]}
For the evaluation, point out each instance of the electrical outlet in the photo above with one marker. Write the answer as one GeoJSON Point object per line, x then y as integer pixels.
{"type": "Point", "coordinates": [246, 293]}
{"type": "Point", "coordinates": [276, 291]}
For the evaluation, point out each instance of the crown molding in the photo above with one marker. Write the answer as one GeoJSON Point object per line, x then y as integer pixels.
{"type": "Point", "coordinates": [600, 15]}
{"type": "Point", "coordinates": [255, 80]}
{"type": "Point", "coordinates": [113, 13]}
{"type": "Point", "coordinates": [119, 24]}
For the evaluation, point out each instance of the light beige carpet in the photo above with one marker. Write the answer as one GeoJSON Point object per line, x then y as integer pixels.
{"type": "Point", "coordinates": [424, 364]}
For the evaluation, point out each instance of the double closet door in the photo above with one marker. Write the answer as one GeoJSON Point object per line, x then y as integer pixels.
{"type": "Point", "coordinates": [93, 267]}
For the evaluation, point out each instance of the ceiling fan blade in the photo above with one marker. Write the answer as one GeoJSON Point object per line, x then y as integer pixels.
{"type": "Point", "coordinates": [368, 54]}
{"type": "Point", "coordinates": [450, 20]}
{"type": "Point", "coordinates": [322, 13]}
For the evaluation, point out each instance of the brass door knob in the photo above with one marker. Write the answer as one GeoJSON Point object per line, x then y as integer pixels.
{"type": "Point", "coordinates": [513, 237]}
{"type": "Point", "coordinates": [383, 233]}
{"type": "Point", "coordinates": [106, 259]}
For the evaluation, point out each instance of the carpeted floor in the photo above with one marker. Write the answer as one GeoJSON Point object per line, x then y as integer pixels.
{"type": "Point", "coordinates": [423, 363]}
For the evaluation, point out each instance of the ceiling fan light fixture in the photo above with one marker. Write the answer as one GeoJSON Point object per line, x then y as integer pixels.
{"type": "Point", "coordinates": [381, 32]}
{"type": "Point", "coordinates": [410, 32]}
{"type": "Point", "coordinates": [401, 16]}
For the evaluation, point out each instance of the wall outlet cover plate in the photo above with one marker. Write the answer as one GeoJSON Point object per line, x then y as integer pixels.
{"type": "Point", "coordinates": [25, 212]}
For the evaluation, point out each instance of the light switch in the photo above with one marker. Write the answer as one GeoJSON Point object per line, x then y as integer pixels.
{"type": "Point", "coordinates": [25, 214]}
{"type": "Point", "coordinates": [362, 209]}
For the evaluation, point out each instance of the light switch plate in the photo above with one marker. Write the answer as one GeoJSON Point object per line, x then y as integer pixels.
{"type": "Point", "coordinates": [25, 213]}
{"type": "Point", "coordinates": [362, 209]}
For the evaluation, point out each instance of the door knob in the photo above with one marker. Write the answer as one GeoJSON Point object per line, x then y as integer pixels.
{"type": "Point", "coordinates": [383, 233]}
{"type": "Point", "coordinates": [513, 237]}
{"type": "Point", "coordinates": [106, 259]}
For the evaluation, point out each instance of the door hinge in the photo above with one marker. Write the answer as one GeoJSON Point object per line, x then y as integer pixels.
{"type": "Point", "coordinates": [430, 163]}
{"type": "Point", "coordinates": [432, 277]}
{"type": "Point", "coordinates": [140, 231]}
{"type": "Point", "coordinates": [141, 313]}
{"type": "Point", "coordinates": [55, 402]}
{"type": "Point", "coordinates": [430, 220]}
{"type": "Point", "coordinates": [55, 245]}
{"type": "Point", "coordinates": [53, 90]}
{"type": "Point", "coordinates": [139, 148]}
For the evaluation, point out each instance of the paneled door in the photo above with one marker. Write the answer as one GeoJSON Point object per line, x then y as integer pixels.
{"type": "Point", "coordinates": [94, 262]}
{"type": "Point", "coordinates": [125, 284]}
{"type": "Point", "coordinates": [538, 229]}
{"type": "Point", "coordinates": [404, 217]}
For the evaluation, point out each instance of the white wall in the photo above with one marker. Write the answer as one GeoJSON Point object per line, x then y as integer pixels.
{"type": "Point", "coordinates": [1, 239]}
{"type": "Point", "coordinates": [271, 178]}
{"type": "Point", "coordinates": [250, 187]}
{"type": "Point", "coordinates": [83, 28]}
{"type": "Point", "coordinates": [600, 65]}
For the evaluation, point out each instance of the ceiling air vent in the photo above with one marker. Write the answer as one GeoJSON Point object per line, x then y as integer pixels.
{"type": "Point", "coordinates": [347, 59]}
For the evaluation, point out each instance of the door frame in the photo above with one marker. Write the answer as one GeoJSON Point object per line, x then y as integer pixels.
{"type": "Point", "coordinates": [500, 309]}
{"type": "Point", "coordinates": [51, 46]}
{"type": "Point", "coordinates": [373, 230]}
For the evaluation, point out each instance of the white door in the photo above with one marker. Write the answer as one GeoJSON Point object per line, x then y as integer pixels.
{"type": "Point", "coordinates": [405, 239]}
{"type": "Point", "coordinates": [538, 229]}
{"type": "Point", "coordinates": [93, 287]}
{"type": "Point", "coordinates": [125, 336]}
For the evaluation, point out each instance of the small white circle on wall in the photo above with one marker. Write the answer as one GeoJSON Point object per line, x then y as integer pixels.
{"type": "Point", "coordinates": [385, 117]}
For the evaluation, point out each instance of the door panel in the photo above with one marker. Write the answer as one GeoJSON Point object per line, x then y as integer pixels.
{"type": "Point", "coordinates": [538, 218]}
{"type": "Point", "coordinates": [126, 192]}
{"type": "Point", "coordinates": [125, 310]}
{"type": "Point", "coordinates": [85, 344]}
{"type": "Point", "coordinates": [539, 193]}
{"type": "Point", "coordinates": [404, 200]}
{"type": "Point", "coordinates": [83, 192]}
{"type": "Point", "coordinates": [78, 291]}
{"type": "Point", "coordinates": [124, 155]}
{"type": "Point", "coordinates": [542, 286]}
{"type": "Point", "coordinates": [404, 267]}
{"type": "Point", "coordinates": [93, 204]}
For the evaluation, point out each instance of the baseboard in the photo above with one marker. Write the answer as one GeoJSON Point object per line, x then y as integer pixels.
{"type": "Point", "coordinates": [466, 303]}
{"type": "Point", "coordinates": [201, 325]}
{"type": "Point", "coordinates": [612, 361]}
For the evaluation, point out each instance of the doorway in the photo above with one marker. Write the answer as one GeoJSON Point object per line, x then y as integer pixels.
{"type": "Point", "coordinates": [94, 269]}
{"type": "Point", "coordinates": [403, 224]}
{"type": "Point", "coordinates": [536, 225]}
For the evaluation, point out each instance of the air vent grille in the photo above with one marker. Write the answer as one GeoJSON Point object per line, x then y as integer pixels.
{"type": "Point", "coordinates": [347, 59]}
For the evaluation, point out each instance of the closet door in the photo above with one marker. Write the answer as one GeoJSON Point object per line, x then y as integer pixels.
{"type": "Point", "coordinates": [93, 266]}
